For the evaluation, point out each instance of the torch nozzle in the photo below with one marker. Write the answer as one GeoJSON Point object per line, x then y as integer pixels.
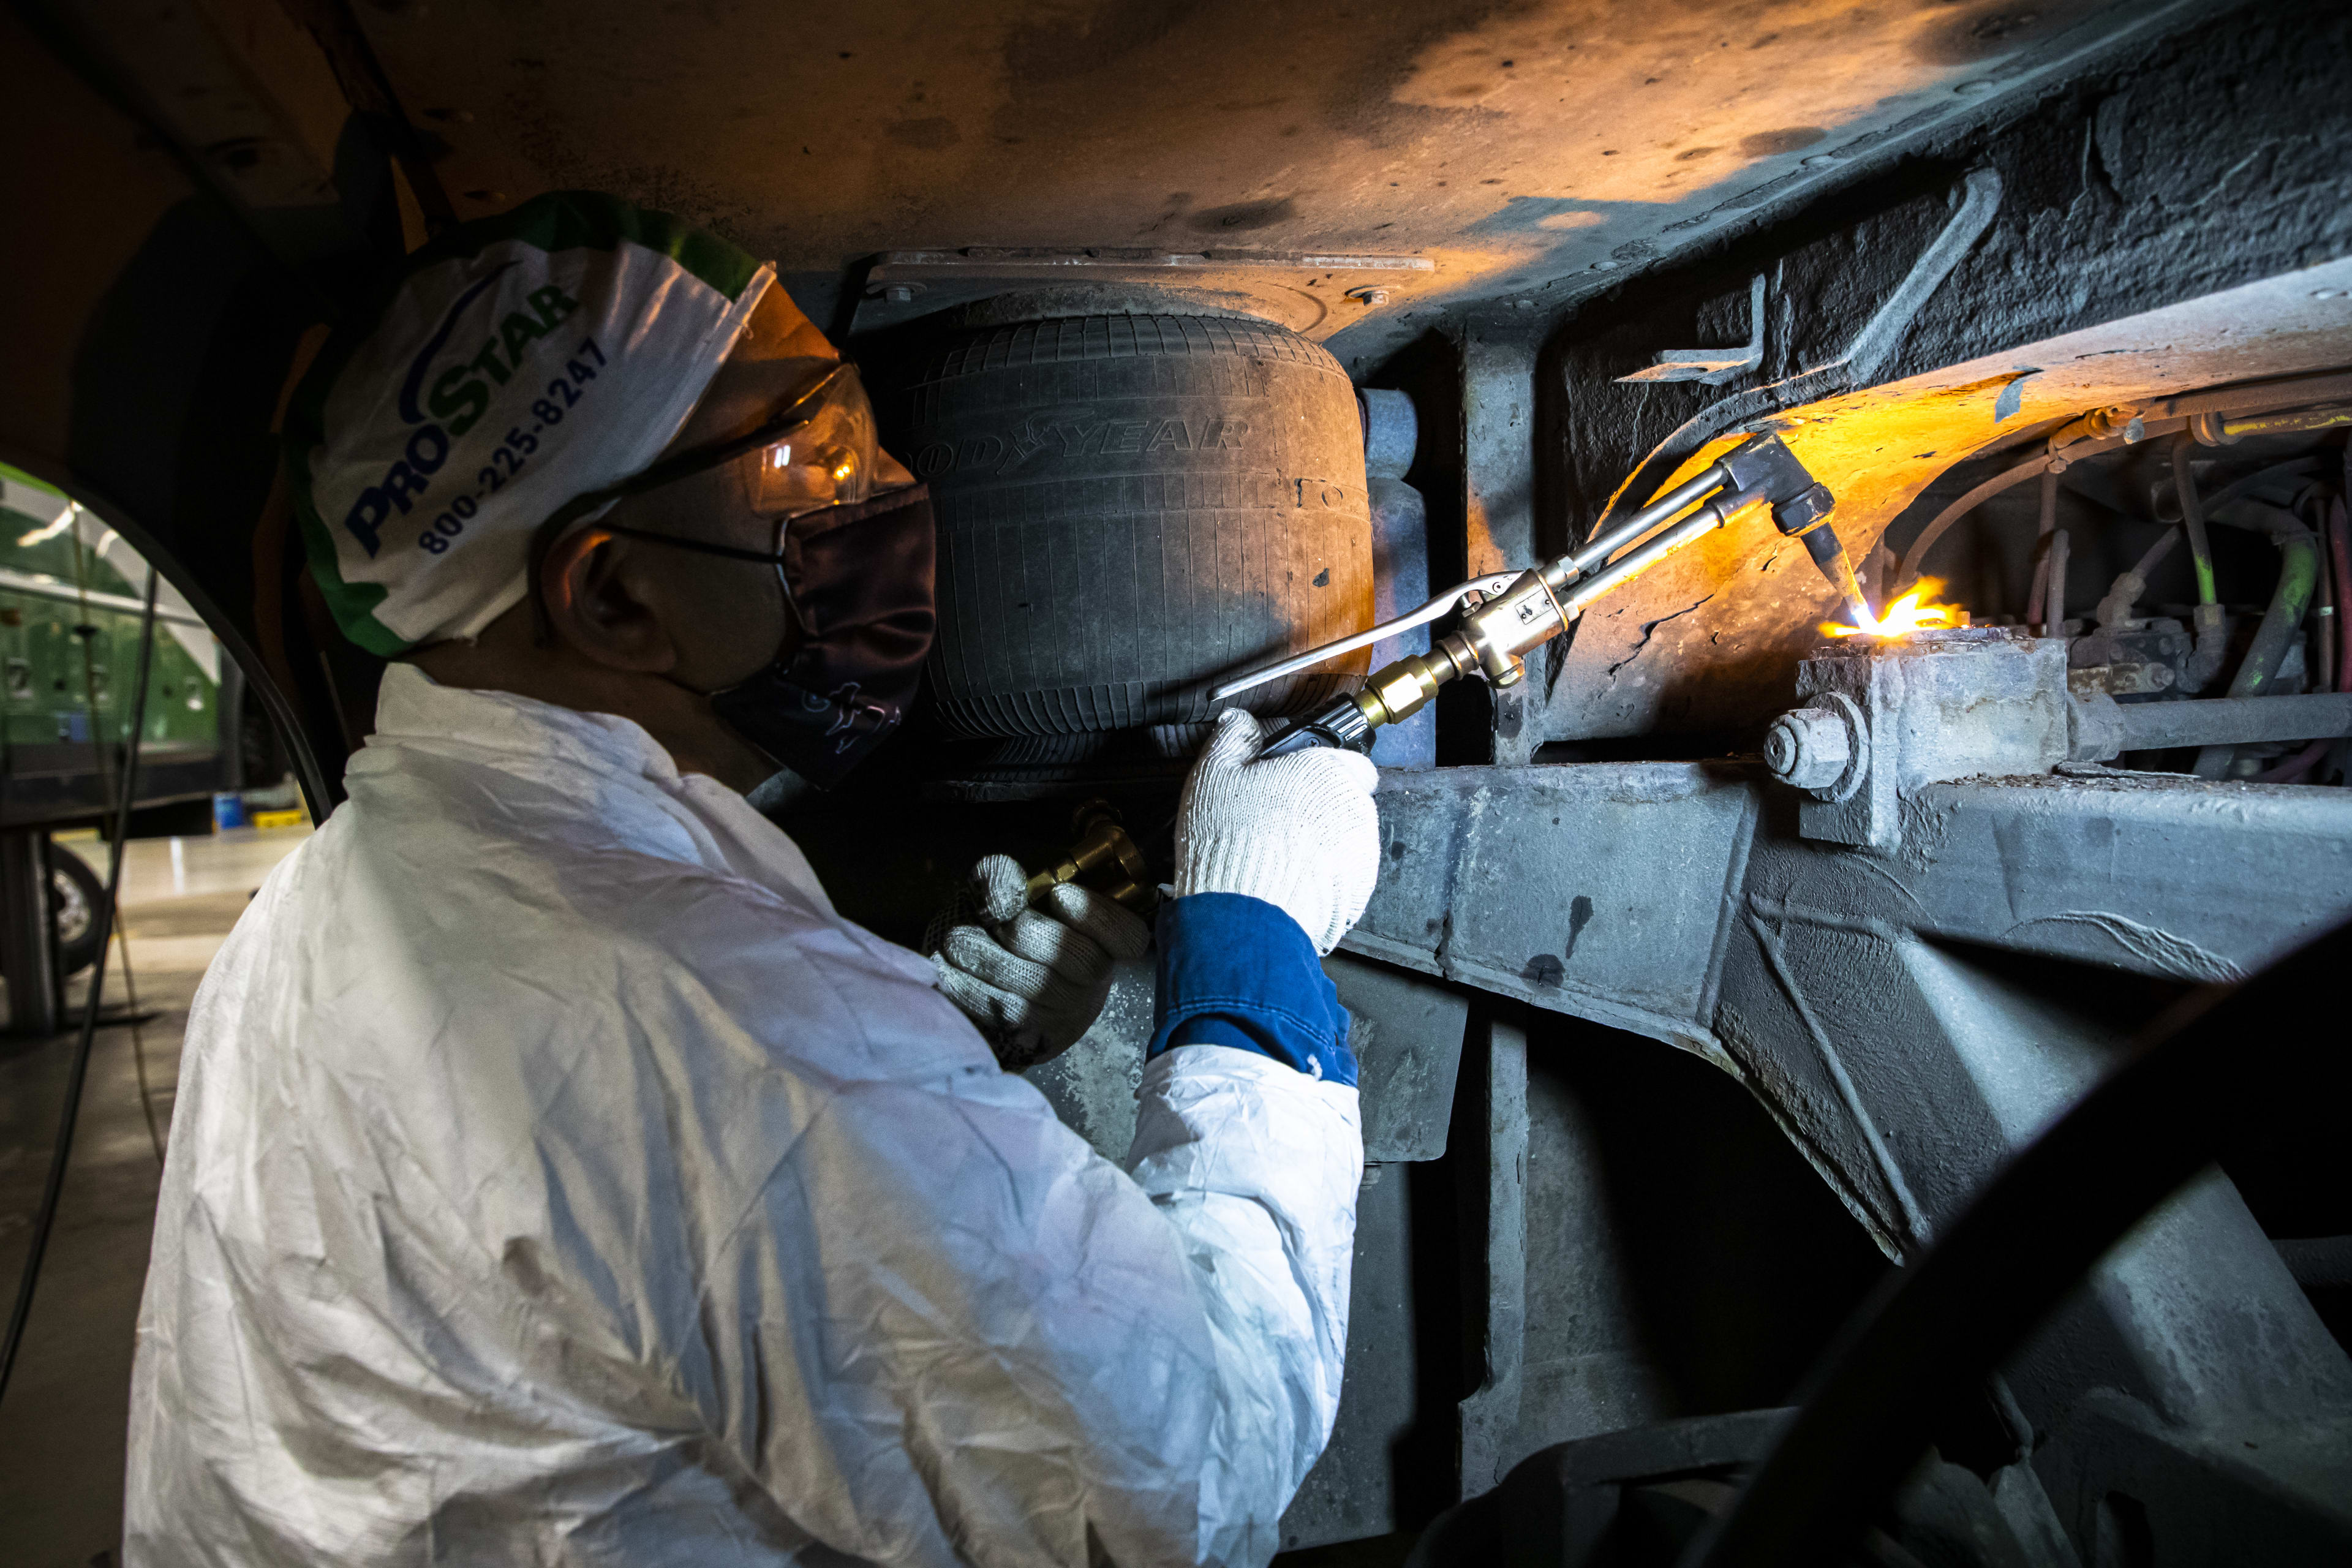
{"type": "Point", "coordinates": [1822, 544]}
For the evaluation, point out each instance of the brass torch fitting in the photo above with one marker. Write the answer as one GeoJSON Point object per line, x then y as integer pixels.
{"type": "Point", "coordinates": [1522, 616]}
{"type": "Point", "coordinates": [1396, 692]}
{"type": "Point", "coordinates": [1103, 855]}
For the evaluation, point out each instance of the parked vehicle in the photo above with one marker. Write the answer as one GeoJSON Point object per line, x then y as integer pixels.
{"type": "Point", "coordinates": [71, 602]}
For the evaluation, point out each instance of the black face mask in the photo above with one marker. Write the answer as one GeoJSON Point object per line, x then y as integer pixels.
{"type": "Point", "coordinates": [857, 577]}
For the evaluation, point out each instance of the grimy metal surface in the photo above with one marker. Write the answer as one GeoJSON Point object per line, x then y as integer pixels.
{"type": "Point", "coordinates": [1596, 889]}
{"type": "Point", "coordinates": [1538, 155]}
{"type": "Point", "coordinates": [1647, 659]}
{"type": "Point", "coordinates": [2132, 250]}
{"type": "Point", "coordinates": [1618, 891]}
{"type": "Point", "coordinates": [1921, 710]}
{"type": "Point", "coordinates": [1972, 219]}
{"type": "Point", "coordinates": [1908, 1019]}
{"type": "Point", "coordinates": [1546, 148]}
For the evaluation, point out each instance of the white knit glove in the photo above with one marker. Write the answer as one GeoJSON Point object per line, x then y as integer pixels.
{"type": "Point", "coordinates": [1300, 831]}
{"type": "Point", "coordinates": [1032, 980]}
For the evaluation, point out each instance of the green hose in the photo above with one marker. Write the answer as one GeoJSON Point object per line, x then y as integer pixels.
{"type": "Point", "coordinates": [2212, 641]}
{"type": "Point", "coordinates": [2281, 623]}
{"type": "Point", "coordinates": [2192, 518]}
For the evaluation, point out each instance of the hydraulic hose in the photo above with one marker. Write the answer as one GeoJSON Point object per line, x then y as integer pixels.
{"type": "Point", "coordinates": [2211, 645]}
{"type": "Point", "coordinates": [2339, 552]}
{"type": "Point", "coordinates": [2043, 529]}
{"type": "Point", "coordinates": [2296, 765]}
{"type": "Point", "coordinates": [2282, 621]}
{"type": "Point", "coordinates": [2334, 637]}
{"type": "Point", "coordinates": [1907, 571]}
{"type": "Point", "coordinates": [2123, 594]}
{"type": "Point", "coordinates": [2054, 605]}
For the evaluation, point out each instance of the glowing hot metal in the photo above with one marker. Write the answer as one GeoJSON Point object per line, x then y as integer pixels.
{"type": "Point", "coordinates": [1907, 615]}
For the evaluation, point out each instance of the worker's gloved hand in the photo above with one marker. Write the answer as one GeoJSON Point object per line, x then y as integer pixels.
{"type": "Point", "coordinates": [1300, 831]}
{"type": "Point", "coordinates": [1033, 979]}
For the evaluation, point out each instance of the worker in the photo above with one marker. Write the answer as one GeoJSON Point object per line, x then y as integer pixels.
{"type": "Point", "coordinates": [556, 1177]}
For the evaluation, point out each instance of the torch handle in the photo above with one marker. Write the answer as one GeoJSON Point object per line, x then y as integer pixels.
{"type": "Point", "coordinates": [1341, 724]}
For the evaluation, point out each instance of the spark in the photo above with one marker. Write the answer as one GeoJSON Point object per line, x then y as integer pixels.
{"type": "Point", "coordinates": [1911, 613]}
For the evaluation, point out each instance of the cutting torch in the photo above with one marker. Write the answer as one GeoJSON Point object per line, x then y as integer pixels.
{"type": "Point", "coordinates": [1507, 615]}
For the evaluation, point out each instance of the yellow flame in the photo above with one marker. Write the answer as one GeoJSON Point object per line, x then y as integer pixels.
{"type": "Point", "coordinates": [1909, 614]}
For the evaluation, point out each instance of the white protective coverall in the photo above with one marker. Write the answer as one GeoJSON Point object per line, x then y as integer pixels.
{"type": "Point", "coordinates": [557, 1178]}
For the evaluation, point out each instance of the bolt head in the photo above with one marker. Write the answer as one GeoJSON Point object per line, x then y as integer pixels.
{"type": "Point", "coordinates": [1808, 748]}
{"type": "Point", "coordinates": [899, 294]}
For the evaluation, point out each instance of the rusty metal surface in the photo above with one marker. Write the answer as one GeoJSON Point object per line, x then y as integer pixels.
{"type": "Point", "coordinates": [1547, 147]}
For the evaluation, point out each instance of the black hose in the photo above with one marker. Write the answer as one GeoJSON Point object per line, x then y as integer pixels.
{"type": "Point", "coordinates": [2053, 610]}
{"type": "Point", "coordinates": [2124, 593]}
{"type": "Point", "coordinates": [2246, 485]}
{"type": "Point", "coordinates": [2074, 452]}
{"type": "Point", "coordinates": [44, 1218]}
{"type": "Point", "coordinates": [2043, 529]}
{"type": "Point", "coordinates": [2219, 1068]}
{"type": "Point", "coordinates": [1908, 572]}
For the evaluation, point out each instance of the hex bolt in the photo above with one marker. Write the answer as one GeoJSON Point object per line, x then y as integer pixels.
{"type": "Point", "coordinates": [1808, 747]}
{"type": "Point", "coordinates": [899, 294]}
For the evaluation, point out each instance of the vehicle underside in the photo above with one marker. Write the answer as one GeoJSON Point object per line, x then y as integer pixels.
{"type": "Point", "coordinates": [1728, 958]}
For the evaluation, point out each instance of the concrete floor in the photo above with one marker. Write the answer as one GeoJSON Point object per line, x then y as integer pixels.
{"type": "Point", "coordinates": [61, 1424]}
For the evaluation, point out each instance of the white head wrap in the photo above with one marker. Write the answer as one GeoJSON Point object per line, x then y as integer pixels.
{"type": "Point", "coordinates": [519, 361]}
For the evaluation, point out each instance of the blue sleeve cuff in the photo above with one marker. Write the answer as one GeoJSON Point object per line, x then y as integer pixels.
{"type": "Point", "coordinates": [1236, 971]}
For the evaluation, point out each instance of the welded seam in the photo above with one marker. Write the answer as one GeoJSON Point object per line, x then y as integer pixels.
{"type": "Point", "coordinates": [1884, 333]}
{"type": "Point", "coordinates": [1735, 878]}
{"type": "Point", "coordinates": [1914, 1220]}
{"type": "Point", "coordinates": [2161, 949]}
{"type": "Point", "coordinates": [1871, 347]}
